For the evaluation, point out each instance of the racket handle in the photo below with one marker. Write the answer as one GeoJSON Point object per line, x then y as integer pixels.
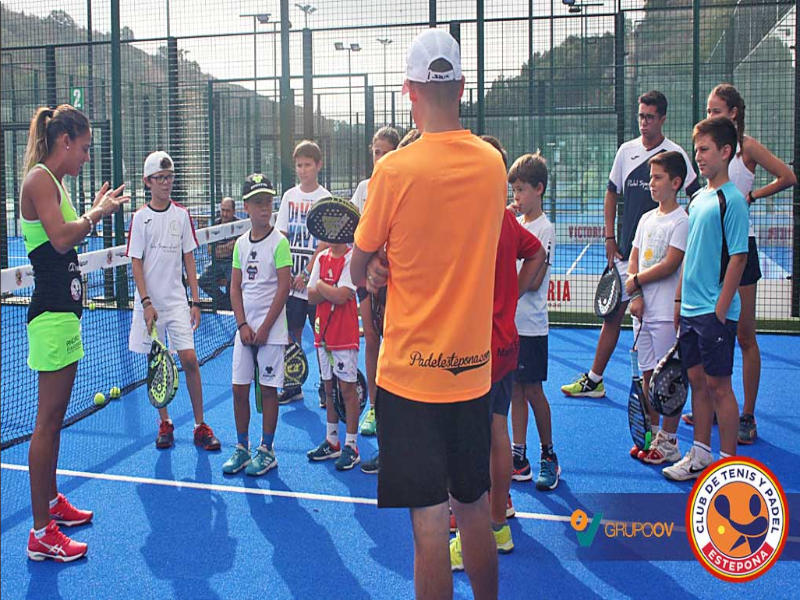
{"type": "Point", "coordinates": [635, 362]}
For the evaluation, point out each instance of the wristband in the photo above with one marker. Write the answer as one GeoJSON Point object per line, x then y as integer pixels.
{"type": "Point", "coordinates": [636, 281]}
{"type": "Point", "coordinates": [145, 298]}
{"type": "Point", "coordinates": [242, 324]}
{"type": "Point", "coordinates": [637, 294]}
{"type": "Point", "coordinates": [750, 198]}
{"type": "Point", "coordinates": [610, 237]}
{"type": "Point", "coordinates": [146, 303]}
{"type": "Point", "coordinates": [677, 300]}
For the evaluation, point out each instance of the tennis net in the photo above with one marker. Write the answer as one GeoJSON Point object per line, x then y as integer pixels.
{"type": "Point", "coordinates": [105, 326]}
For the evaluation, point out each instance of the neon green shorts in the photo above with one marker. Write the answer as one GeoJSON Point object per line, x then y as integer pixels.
{"type": "Point", "coordinates": [54, 341]}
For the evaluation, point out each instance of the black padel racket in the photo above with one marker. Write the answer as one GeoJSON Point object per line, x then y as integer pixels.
{"type": "Point", "coordinates": [333, 220]}
{"type": "Point", "coordinates": [361, 392]}
{"type": "Point", "coordinates": [638, 417]}
{"type": "Point", "coordinates": [608, 294]}
{"type": "Point", "coordinates": [295, 366]}
{"type": "Point", "coordinates": [377, 303]}
{"type": "Point", "coordinates": [668, 385]}
{"type": "Point", "coordinates": [162, 373]}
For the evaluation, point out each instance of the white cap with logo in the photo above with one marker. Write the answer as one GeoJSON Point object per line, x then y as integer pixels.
{"type": "Point", "coordinates": [429, 46]}
{"type": "Point", "coordinates": [158, 161]}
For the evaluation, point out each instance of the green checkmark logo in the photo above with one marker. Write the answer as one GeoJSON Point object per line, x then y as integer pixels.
{"type": "Point", "coordinates": [585, 531]}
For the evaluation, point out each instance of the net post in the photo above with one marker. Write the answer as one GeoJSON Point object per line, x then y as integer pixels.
{"type": "Point", "coordinates": [481, 125]}
{"type": "Point", "coordinates": [619, 74]}
{"type": "Point", "coordinates": [50, 75]}
{"type": "Point", "coordinates": [212, 159]}
{"type": "Point", "coordinates": [369, 125]}
{"type": "Point", "coordinates": [286, 109]}
{"type": "Point", "coordinates": [308, 86]}
{"type": "Point", "coordinates": [116, 144]}
{"type": "Point", "coordinates": [796, 189]}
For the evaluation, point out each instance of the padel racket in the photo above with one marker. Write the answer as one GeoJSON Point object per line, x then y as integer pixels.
{"type": "Point", "coordinates": [638, 417]}
{"type": "Point", "coordinates": [608, 294]}
{"type": "Point", "coordinates": [259, 405]}
{"type": "Point", "coordinates": [333, 220]}
{"type": "Point", "coordinates": [162, 373]}
{"type": "Point", "coordinates": [295, 366]}
{"type": "Point", "coordinates": [361, 393]}
{"type": "Point", "coordinates": [668, 385]}
{"type": "Point", "coordinates": [377, 303]}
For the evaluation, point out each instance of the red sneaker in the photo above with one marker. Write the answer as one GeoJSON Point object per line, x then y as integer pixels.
{"type": "Point", "coordinates": [510, 512]}
{"type": "Point", "coordinates": [54, 544]}
{"type": "Point", "coordinates": [634, 452]}
{"type": "Point", "coordinates": [63, 513]}
{"type": "Point", "coordinates": [165, 437]}
{"type": "Point", "coordinates": [204, 436]}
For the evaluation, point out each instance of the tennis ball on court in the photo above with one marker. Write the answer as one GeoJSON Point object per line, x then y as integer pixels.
{"type": "Point", "coordinates": [115, 392]}
{"type": "Point", "coordinates": [99, 399]}
{"type": "Point", "coordinates": [91, 305]}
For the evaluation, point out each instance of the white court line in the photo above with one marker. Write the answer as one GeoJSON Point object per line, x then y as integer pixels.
{"type": "Point", "coordinates": [577, 260]}
{"type": "Point", "coordinates": [282, 493]}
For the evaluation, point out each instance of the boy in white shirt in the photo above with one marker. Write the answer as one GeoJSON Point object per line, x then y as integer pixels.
{"type": "Point", "coordinates": [653, 275]}
{"type": "Point", "coordinates": [291, 222]}
{"type": "Point", "coordinates": [259, 289]}
{"type": "Point", "coordinates": [160, 244]}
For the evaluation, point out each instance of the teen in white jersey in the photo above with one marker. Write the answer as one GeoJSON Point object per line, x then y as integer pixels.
{"type": "Point", "coordinates": [291, 222]}
{"type": "Point", "coordinates": [725, 101]}
{"type": "Point", "coordinates": [630, 177]}
{"type": "Point", "coordinates": [160, 244]}
{"type": "Point", "coordinates": [259, 289]}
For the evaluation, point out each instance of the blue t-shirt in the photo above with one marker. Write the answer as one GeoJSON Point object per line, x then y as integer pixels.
{"type": "Point", "coordinates": [701, 286]}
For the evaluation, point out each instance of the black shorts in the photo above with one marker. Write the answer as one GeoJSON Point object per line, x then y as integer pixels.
{"type": "Point", "coordinates": [752, 270]}
{"type": "Point", "coordinates": [297, 311]}
{"type": "Point", "coordinates": [704, 340]}
{"type": "Point", "coordinates": [532, 367]}
{"type": "Point", "coordinates": [429, 449]}
{"type": "Point", "coordinates": [500, 395]}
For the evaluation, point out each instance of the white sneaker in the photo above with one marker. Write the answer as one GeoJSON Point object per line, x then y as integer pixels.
{"type": "Point", "coordinates": [662, 450]}
{"type": "Point", "coordinates": [689, 467]}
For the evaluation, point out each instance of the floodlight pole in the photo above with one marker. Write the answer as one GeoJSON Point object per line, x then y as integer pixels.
{"type": "Point", "coordinates": [385, 43]}
{"type": "Point", "coordinates": [349, 48]}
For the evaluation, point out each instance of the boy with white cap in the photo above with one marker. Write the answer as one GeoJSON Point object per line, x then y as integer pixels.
{"type": "Point", "coordinates": [434, 370]}
{"type": "Point", "coordinates": [160, 244]}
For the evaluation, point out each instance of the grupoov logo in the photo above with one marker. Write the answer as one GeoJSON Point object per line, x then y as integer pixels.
{"type": "Point", "coordinates": [737, 519]}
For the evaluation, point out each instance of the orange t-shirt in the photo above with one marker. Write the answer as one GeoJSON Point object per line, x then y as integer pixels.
{"type": "Point", "coordinates": [438, 206]}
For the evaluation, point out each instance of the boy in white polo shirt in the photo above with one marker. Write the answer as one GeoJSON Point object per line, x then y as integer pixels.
{"type": "Point", "coordinates": [160, 245]}
{"type": "Point", "coordinates": [259, 289]}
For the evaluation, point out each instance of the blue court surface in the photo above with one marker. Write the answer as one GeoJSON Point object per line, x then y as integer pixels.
{"type": "Point", "coordinates": [168, 524]}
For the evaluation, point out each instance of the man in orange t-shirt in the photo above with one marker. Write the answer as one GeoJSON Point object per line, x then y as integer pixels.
{"type": "Point", "coordinates": [437, 206]}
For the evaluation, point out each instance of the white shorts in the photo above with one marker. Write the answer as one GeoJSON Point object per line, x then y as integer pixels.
{"type": "Point", "coordinates": [345, 363]}
{"type": "Point", "coordinates": [270, 364]}
{"type": "Point", "coordinates": [175, 326]}
{"type": "Point", "coordinates": [656, 339]}
{"type": "Point", "coordinates": [622, 269]}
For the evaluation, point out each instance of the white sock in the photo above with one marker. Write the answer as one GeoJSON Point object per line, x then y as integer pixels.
{"type": "Point", "coordinates": [333, 434]}
{"type": "Point", "coordinates": [54, 501]}
{"type": "Point", "coordinates": [724, 454]}
{"type": "Point", "coordinates": [671, 437]}
{"type": "Point", "coordinates": [654, 429]}
{"type": "Point", "coordinates": [196, 425]}
{"type": "Point", "coordinates": [351, 439]}
{"type": "Point", "coordinates": [594, 377]}
{"type": "Point", "coordinates": [703, 450]}
{"type": "Point", "coordinates": [39, 533]}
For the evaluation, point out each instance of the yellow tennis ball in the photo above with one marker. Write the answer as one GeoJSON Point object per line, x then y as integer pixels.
{"type": "Point", "coordinates": [115, 392]}
{"type": "Point", "coordinates": [99, 399]}
{"type": "Point", "coordinates": [91, 305]}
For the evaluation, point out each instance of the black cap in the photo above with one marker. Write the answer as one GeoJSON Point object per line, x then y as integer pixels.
{"type": "Point", "coordinates": [256, 184]}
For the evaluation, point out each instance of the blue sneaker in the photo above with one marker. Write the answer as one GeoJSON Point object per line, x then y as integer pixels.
{"type": "Point", "coordinates": [263, 461]}
{"type": "Point", "coordinates": [348, 459]}
{"type": "Point", "coordinates": [549, 471]}
{"type": "Point", "coordinates": [238, 460]}
{"type": "Point", "coordinates": [325, 451]}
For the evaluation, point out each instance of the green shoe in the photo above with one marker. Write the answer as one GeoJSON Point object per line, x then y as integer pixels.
{"type": "Point", "coordinates": [503, 540]}
{"type": "Point", "coordinates": [263, 461]}
{"type": "Point", "coordinates": [456, 559]}
{"type": "Point", "coordinates": [583, 387]}
{"type": "Point", "coordinates": [369, 425]}
{"type": "Point", "coordinates": [238, 460]}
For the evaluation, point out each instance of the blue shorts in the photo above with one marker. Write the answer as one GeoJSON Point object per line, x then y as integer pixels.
{"type": "Point", "coordinates": [500, 395]}
{"type": "Point", "coordinates": [297, 310]}
{"type": "Point", "coordinates": [704, 340]}
{"type": "Point", "coordinates": [532, 367]}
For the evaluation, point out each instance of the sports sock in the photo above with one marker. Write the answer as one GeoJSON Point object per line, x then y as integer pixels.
{"type": "Point", "coordinates": [351, 440]}
{"type": "Point", "coordinates": [196, 425]}
{"type": "Point", "coordinates": [594, 377]}
{"type": "Point", "coordinates": [54, 501]}
{"type": "Point", "coordinates": [267, 439]}
{"type": "Point", "coordinates": [547, 450]}
{"type": "Point", "coordinates": [243, 438]}
{"type": "Point", "coordinates": [654, 429]}
{"type": "Point", "coordinates": [333, 434]}
{"type": "Point", "coordinates": [703, 449]}
{"type": "Point", "coordinates": [39, 533]}
{"type": "Point", "coordinates": [723, 454]}
{"type": "Point", "coordinates": [671, 437]}
{"type": "Point", "coordinates": [518, 451]}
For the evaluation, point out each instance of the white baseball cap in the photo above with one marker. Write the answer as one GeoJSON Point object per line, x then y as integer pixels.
{"type": "Point", "coordinates": [430, 45]}
{"type": "Point", "coordinates": [155, 162]}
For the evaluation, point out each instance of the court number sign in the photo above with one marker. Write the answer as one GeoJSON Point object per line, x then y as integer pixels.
{"type": "Point", "coordinates": [76, 97]}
